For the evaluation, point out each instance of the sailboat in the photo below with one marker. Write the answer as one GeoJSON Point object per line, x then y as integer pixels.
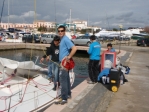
{"type": "Point", "coordinates": [20, 94]}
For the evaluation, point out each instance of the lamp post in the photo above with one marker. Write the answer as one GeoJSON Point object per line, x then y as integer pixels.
{"type": "Point", "coordinates": [120, 26]}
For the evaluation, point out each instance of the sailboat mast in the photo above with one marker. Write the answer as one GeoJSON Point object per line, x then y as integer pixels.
{"type": "Point", "coordinates": [55, 13]}
{"type": "Point", "coordinates": [70, 20]}
{"type": "Point", "coordinates": [107, 20]}
{"type": "Point", "coordinates": [1, 14]}
{"type": "Point", "coordinates": [8, 13]}
{"type": "Point", "coordinates": [70, 17]}
{"type": "Point", "coordinates": [34, 10]}
{"type": "Point", "coordinates": [88, 20]}
{"type": "Point", "coordinates": [35, 16]}
{"type": "Point", "coordinates": [55, 9]}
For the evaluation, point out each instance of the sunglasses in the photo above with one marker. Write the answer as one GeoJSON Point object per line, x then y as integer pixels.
{"type": "Point", "coordinates": [61, 30]}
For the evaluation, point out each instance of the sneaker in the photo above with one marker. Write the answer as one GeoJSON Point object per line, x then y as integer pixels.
{"type": "Point", "coordinates": [63, 102]}
{"type": "Point", "coordinates": [90, 82]}
{"type": "Point", "coordinates": [121, 82]}
{"type": "Point", "coordinates": [58, 101]}
{"type": "Point", "coordinates": [50, 79]}
{"type": "Point", "coordinates": [125, 80]}
{"type": "Point", "coordinates": [54, 89]}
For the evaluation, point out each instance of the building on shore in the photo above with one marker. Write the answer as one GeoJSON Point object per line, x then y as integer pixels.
{"type": "Point", "coordinates": [16, 25]}
{"type": "Point", "coordinates": [79, 24]}
{"type": "Point", "coordinates": [93, 27]}
{"type": "Point", "coordinates": [36, 24]}
{"type": "Point", "coordinates": [42, 23]}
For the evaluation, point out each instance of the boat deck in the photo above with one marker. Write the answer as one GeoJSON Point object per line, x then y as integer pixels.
{"type": "Point", "coordinates": [25, 95]}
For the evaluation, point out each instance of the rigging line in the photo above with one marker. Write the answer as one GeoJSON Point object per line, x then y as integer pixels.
{"type": "Point", "coordinates": [35, 17]}
{"type": "Point", "coordinates": [55, 28]}
{"type": "Point", "coordinates": [34, 100]}
{"type": "Point", "coordinates": [37, 100]}
{"type": "Point", "coordinates": [2, 13]}
{"type": "Point", "coordinates": [40, 84]}
{"type": "Point", "coordinates": [14, 33]}
{"type": "Point", "coordinates": [15, 37]}
{"type": "Point", "coordinates": [10, 91]}
{"type": "Point", "coordinates": [52, 62]}
{"type": "Point", "coordinates": [11, 85]}
{"type": "Point", "coordinates": [39, 89]}
{"type": "Point", "coordinates": [25, 43]}
{"type": "Point", "coordinates": [19, 101]}
{"type": "Point", "coordinates": [107, 20]}
{"type": "Point", "coordinates": [32, 35]}
{"type": "Point", "coordinates": [55, 14]}
{"type": "Point", "coordinates": [39, 95]}
{"type": "Point", "coordinates": [55, 9]}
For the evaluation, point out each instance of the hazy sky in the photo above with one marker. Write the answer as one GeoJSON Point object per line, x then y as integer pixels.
{"type": "Point", "coordinates": [103, 13]}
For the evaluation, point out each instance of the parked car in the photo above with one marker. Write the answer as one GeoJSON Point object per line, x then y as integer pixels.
{"type": "Point", "coordinates": [143, 42]}
{"type": "Point", "coordinates": [110, 38]}
{"type": "Point", "coordinates": [82, 40]}
{"type": "Point", "coordinates": [123, 38]}
{"type": "Point", "coordinates": [107, 38]}
{"type": "Point", "coordinates": [47, 38]}
{"type": "Point", "coordinates": [137, 36]}
{"type": "Point", "coordinates": [100, 38]}
{"type": "Point", "coordinates": [30, 38]}
{"type": "Point", "coordinates": [21, 34]}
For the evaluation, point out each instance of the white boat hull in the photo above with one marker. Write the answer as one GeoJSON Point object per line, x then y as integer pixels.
{"type": "Point", "coordinates": [33, 94]}
{"type": "Point", "coordinates": [26, 95]}
{"type": "Point", "coordinates": [22, 68]}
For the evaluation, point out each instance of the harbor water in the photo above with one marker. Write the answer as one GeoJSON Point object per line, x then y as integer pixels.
{"type": "Point", "coordinates": [80, 58]}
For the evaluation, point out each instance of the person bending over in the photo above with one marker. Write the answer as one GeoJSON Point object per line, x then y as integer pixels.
{"type": "Point", "coordinates": [53, 51]}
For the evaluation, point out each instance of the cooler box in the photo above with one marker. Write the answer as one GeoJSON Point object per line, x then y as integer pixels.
{"type": "Point", "coordinates": [108, 60]}
{"type": "Point", "coordinates": [114, 76]}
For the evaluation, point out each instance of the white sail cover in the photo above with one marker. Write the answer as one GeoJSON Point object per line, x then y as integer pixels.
{"type": "Point", "coordinates": [22, 67]}
{"type": "Point", "coordinates": [15, 64]}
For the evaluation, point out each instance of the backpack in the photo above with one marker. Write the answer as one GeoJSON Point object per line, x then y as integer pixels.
{"type": "Point", "coordinates": [127, 69]}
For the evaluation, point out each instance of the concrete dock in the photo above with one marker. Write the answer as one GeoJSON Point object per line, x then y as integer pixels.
{"type": "Point", "coordinates": [38, 46]}
{"type": "Point", "coordinates": [134, 95]}
{"type": "Point", "coordinates": [131, 97]}
{"type": "Point", "coordinates": [41, 46]}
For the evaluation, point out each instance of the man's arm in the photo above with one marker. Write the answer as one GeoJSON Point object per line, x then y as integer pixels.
{"type": "Point", "coordinates": [90, 49]}
{"type": "Point", "coordinates": [71, 46]}
{"type": "Point", "coordinates": [48, 58]}
{"type": "Point", "coordinates": [48, 52]}
{"type": "Point", "coordinates": [73, 51]}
